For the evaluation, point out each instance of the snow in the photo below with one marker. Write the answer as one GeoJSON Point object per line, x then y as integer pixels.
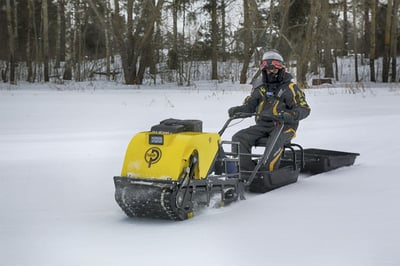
{"type": "Point", "coordinates": [61, 145]}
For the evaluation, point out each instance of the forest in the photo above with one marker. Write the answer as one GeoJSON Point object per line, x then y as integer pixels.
{"type": "Point", "coordinates": [183, 40]}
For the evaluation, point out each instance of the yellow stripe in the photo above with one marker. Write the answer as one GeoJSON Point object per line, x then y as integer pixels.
{"type": "Point", "coordinates": [275, 109]}
{"type": "Point", "coordinates": [260, 106]}
{"type": "Point", "coordinates": [302, 99]}
{"type": "Point", "coordinates": [291, 130]}
{"type": "Point", "coordinates": [273, 162]}
{"type": "Point", "coordinates": [291, 87]}
{"type": "Point", "coordinates": [259, 109]}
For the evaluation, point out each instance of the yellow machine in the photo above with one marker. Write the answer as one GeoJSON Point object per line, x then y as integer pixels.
{"type": "Point", "coordinates": [175, 167]}
{"type": "Point", "coordinates": [163, 155]}
{"type": "Point", "coordinates": [170, 169]}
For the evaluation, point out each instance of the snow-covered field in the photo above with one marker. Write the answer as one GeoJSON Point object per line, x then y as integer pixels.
{"type": "Point", "coordinates": [61, 145]}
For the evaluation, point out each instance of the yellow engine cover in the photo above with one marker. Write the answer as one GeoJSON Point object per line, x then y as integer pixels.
{"type": "Point", "coordinates": [153, 155]}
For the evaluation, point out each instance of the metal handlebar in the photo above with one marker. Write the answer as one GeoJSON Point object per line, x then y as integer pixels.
{"type": "Point", "coordinates": [230, 119]}
{"type": "Point", "coordinates": [246, 115]}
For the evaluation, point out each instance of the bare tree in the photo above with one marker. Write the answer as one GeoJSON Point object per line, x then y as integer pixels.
{"type": "Point", "coordinates": [345, 29]}
{"type": "Point", "coordinates": [302, 30]}
{"type": "Point", "coordinates": [134, 39]}
{"type": "Point", "coordinates": [29, 43]}
{"type": "Point", "coordinates": [250, 35]}
{"type": "Point", "coordinates": [173, 53]}
{"type": "Point", "coordinates": [367, 28]}
{"type": "Point", "coordinates": [107, 22]}
{"type": "Point", "coordinates": [246, 41]}
{"type": "Point", "coordinates": [68, 46]}
{"type": "Point", "coordinates": [317, 55]}
{"type": "Point", "coordinates": [327, 42]}
{"type": "Point", "coordinates": [151, 15]}
{"type": "Point", "coordinates": [37, 43]}
{"type": "Point", "coordinates": [77, 40]}
{"type": "Point", "coordinates": [355, 48]}
{"type": "Point", "coordinates": [305, 49]}
{"type": "Point", "coordinates": [284, 11]}
{"type": "Point", "coordinates": [60, 14]}
{"type": "Point", "coordinates": [214, 40]}
{"type": "Point", "coordinates": [45, 34]}
{"type": "Point", "coordinates": [223, 29]}
{"type": "Point", "coordinates": [393, 43]}
{"type": "Point", "coordinates": [16, 44]}
{"type": "Point", "coordinates": [372, 46]}
{"type": "Point", "coordinates": [386, 49]}
{"type": "Point", "coordinates": [11, 41]}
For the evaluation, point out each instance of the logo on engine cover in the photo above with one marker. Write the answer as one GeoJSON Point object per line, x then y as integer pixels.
{"type": "Point", "coordinates": [152, 156]}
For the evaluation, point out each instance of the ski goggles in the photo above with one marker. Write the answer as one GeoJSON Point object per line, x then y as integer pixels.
{"type": "Point", "coordinates": [271, 64]}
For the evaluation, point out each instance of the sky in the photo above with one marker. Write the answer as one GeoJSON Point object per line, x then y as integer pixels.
{"type": "Point", "coordinates": [61, 145]}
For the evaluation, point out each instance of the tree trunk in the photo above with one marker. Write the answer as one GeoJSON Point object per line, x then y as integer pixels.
{"type": "Point", "coordinates": [135, 48]}
{"type": "Point", "coordinates": [214, 40]}
{"type": "Point", "coordinates": [68, 48]}
{"type": "Point", "coordinates": [223, 30]}
{"type": "Point", "coordinates": [386, 49]}
{"type": "Point", "coordinates": [393, 46]}
{"type": "Point", "coordinates": [120, 29]}
{"type": "Point", "coordinates": [58, 34]}
{"type": "Point", "coordinates": [36, 42]}
{"type": "Point", "coordinates": [77, 44]}
{"type": "Point", "coordinates": [372, 46]}
{"type": "Point", "coordinates": [173, 56]}
{"type": "Point", "coordinates": [336, 66]}
{"type": "Point", "coordinates": [345, 30]}
{"type": "Point", "coordinates": [16, 44]}
{"type": "Point", "coordinates": [306, 48]}
{"type": "Point", "coordinates": [62, 31]}
{"type": "Point", "coordinates": [182, 62]}
{"type": "Point", "coordinates": [285, 7]}
{"type": "Point", "coordinates": [317, 55]}
{"type": "Point", "coordinates": [107, 41]}
{"type": "Point", "coordinates": [355, 42]}
{"type": "Point", "coordinates": [250, 38]}
{"type": "Point", "coordinates": [130, 61]}
{"type": "Point", "coordinates": [11, 42]}
{"type": "Point", "coordinates": [29, 43]}
{"type": "Point", "coordinates": [246, 41]}
{"type": "Point", "coordinates": [328, 64]}
{"type": "Point", "coordinates": [45, 21]}
{"type": "Point", "coordinates": [367, 29]}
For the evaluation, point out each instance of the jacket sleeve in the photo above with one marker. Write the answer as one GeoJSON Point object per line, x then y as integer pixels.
{"type": "Point", "coordinates": [298, 102]}
{"type": "Point", "coordinates": [252, 101]}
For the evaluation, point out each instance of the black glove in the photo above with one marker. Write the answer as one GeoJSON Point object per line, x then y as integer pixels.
{"type": "Point", "coordinates": [233, 110]}
{"type": "Point", "coordinates": [288, 116]}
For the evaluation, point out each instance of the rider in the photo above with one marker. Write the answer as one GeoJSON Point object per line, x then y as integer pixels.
{"type": "Point", "coordinates": [274, 95]}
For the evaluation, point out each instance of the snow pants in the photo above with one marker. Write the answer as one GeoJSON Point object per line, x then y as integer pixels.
{"type": "Point", "coordinates": [248, 138]}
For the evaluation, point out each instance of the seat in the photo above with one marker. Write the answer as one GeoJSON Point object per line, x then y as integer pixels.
{"type": "Point", "coordinates": [292, 152]}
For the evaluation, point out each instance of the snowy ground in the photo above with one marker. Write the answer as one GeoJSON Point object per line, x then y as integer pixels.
{"type": "Point", "coordinates": [60, 146]}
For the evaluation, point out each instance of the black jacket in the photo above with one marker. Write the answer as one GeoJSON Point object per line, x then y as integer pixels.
{"type": "Point", "coordinates": [269, 99]}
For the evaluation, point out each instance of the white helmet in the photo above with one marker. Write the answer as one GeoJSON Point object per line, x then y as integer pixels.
{"type": "Point", "coordinates": [271, 59]}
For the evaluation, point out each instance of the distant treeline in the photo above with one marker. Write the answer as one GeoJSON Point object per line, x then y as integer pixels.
{"type": "Point", "coordinates": [132, 39]}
